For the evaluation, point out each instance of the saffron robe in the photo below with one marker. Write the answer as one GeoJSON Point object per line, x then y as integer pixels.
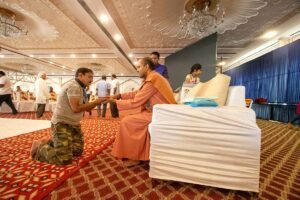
{"type": "Point", "coordinates": [133, 140]}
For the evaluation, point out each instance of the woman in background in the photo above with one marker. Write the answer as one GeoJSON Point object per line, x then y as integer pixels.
{"type": "Point", "coordinates": [193, 76]}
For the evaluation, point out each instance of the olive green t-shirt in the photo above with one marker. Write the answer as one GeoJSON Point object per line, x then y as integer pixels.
{"type": "Point", "coordinates": [63, 112]}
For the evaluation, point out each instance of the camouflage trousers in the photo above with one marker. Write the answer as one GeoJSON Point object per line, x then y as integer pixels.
{"type": "Point", "coordinates": [67, 141]}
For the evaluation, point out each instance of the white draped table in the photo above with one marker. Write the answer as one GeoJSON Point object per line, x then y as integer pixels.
{"type": "Point", "coordinates": [26, 106]}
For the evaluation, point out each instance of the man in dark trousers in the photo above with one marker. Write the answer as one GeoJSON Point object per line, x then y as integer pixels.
{"type": "Point", "coordinates": [5, 92]}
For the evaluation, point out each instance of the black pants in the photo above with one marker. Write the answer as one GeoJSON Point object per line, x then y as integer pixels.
{"type": "Point", "coordinates": [7, 99]}
{"type": "Point", "coordinates": [114, 109]}
{"type": "Point", "coordinates": [40, 110]}
{"type": "Point", "coordinates": [99, 109]}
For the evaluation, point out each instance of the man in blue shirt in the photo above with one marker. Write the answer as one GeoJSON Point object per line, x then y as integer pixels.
{"type": "Point", "coordinates": [162, 69]}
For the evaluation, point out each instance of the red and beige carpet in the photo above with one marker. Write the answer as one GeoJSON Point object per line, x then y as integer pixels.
{"type": "Point", "coordinates": [104, 177]}
{"type": "Point", "coordinates": [22, 178]}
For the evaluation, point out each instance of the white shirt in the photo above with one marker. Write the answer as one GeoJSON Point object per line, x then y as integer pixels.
{"type": "Point", "coordinates": [41, 91]}
{"type": "Point", "coordinates": [115, 84]}
{"type": "Point", "coordinates": [6, 89]}
{"type": "Point", "coordinates": [102, 87]}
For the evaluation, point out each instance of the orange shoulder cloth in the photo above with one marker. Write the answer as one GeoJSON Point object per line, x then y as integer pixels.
{"type": "Point", "coordinates": [162, 85]}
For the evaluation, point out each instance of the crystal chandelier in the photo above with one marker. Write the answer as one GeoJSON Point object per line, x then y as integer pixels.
{"type": "Point", "coordinates": [200, 18]}
{"type": "Point", "coordinates": [8, 26]}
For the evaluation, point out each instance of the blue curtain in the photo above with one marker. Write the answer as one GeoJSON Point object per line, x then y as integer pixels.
{"type": "Point", "coordinates": [274, 76]}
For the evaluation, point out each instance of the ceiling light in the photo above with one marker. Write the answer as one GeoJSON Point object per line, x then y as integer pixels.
{"type": "Point", "coordinates": [269, 34]}
{"type": "Point", "coordinates": [73, 70]}
{"type": "Point", "coordinates": [8, 26]}
{"type": "Point", "coordinates": [135, 62]}
{"type": "Point", "coordinates": [31, 55]}
{"type": "Point", "coordinates": [222, 63]}
{"type": "Point", "coordinates": [51, 62]}
{"type": "Point", "coordinates": [130, 55]}
{"type": "Point", "coordinates": [53, 56]}
{"type": "Point", "coordinates": [1, 56]}
{"type": "Point", "coordinates": [73, 55]}
{"type": "Point", "coordinates": [103, 18]}
{"type": "Point", "coordinates": [117, 37]}
{"type": "Point", "coordinates": [94, 55]}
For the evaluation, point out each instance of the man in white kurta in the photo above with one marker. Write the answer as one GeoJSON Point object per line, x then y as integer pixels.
{"type": "Point", "coordinates": [42, 94]}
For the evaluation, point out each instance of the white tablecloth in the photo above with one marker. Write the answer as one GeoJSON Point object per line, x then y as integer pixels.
{"type": "Point", "coordinates": [26, 106]}
{"type": "Point", "coordinates": [209, 146]}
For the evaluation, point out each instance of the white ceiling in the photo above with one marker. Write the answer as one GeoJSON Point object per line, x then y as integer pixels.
{"type": "Point", "coordinates": [66, 34]}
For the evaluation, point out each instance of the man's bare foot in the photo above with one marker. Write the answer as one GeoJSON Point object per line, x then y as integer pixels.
{"type": "Point", "coordinates": [129, 163]}
{"type": "Point", "coordinates": [34, 148]}
{"type": "Point", "coordinates": [44, 140]}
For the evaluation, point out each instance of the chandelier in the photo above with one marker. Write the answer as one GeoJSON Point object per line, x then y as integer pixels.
{"type": "Point", "coordinates": [200, 18]}
{"type": "Point", "coordinates": [8, 26]}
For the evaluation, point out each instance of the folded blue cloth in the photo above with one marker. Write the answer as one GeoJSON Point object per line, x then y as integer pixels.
{"type": "Point", "coordinates": [203, 102]}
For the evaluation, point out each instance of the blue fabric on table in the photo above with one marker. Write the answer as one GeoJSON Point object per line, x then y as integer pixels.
{"type": "Point", "coordinates": [202, 102]}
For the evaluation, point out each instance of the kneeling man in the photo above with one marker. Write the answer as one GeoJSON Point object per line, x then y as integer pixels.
{"type": "Point", "coordinates": [67, 138]}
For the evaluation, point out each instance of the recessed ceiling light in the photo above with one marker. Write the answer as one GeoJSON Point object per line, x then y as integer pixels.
{"type": "Point", "coordinates": [103, 18]}
{"type": "Point", "coordinates": [51, 62]}
{"type": "Point", "coordinates": [53, 56]}
{"type": "Point", "coordinates": [269, 34]}
{"type": "Point", "coordinates": [94, 55]}
{"type": "Point", "coordinates": [135, 62]}
{"type": "Point", "coordinates": [1, 56]}
{"type": "Point", "coordinates": [31, 55]}
{"type": "Point", "coordinates": [73, 55]}
{"type": "Point", "coordinates": [130, 55]}
{"type": "Point", "coordinates": [117, 37]}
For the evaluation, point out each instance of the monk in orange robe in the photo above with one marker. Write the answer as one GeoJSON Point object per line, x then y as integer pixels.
{"type": "Point", "coordinates": [133, 140]}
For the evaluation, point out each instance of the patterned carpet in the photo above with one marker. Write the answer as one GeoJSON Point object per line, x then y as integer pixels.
{"type": "Point", "coordinates": [22, 178]}
{"type": "Point", "coordinates": [105, 178]}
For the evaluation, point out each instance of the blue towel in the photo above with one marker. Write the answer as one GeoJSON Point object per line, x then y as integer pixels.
{"type": "Point", "coordinates": [203, 102]}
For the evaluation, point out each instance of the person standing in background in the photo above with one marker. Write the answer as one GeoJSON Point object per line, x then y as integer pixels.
{"type": "Point", "coordinates": [5, 92]}
{"type": "Point", "coordinates": [42, 94]}
{"type": "Point", "coordinates": [103, 90]}
{"type": "Point", "coordinates": [53, 95]}
{"type": "Point", "coordinates": [162, 69]}
{"type": "Point", "coordinates": [115, 89]}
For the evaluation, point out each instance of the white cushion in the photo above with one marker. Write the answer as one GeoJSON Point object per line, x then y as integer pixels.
{"type": "Point", "coordinates": [217, 87]}
{"type": "Point", "coordinates": [236, 96]}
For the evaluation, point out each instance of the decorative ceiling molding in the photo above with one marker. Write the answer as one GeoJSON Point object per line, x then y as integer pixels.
{"type": "Point", "coordinates": [62, 7]}
{"type": "Point", "coordinates": [48, 28]}
{"type": "Point", "coordinates": [267, 19]}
